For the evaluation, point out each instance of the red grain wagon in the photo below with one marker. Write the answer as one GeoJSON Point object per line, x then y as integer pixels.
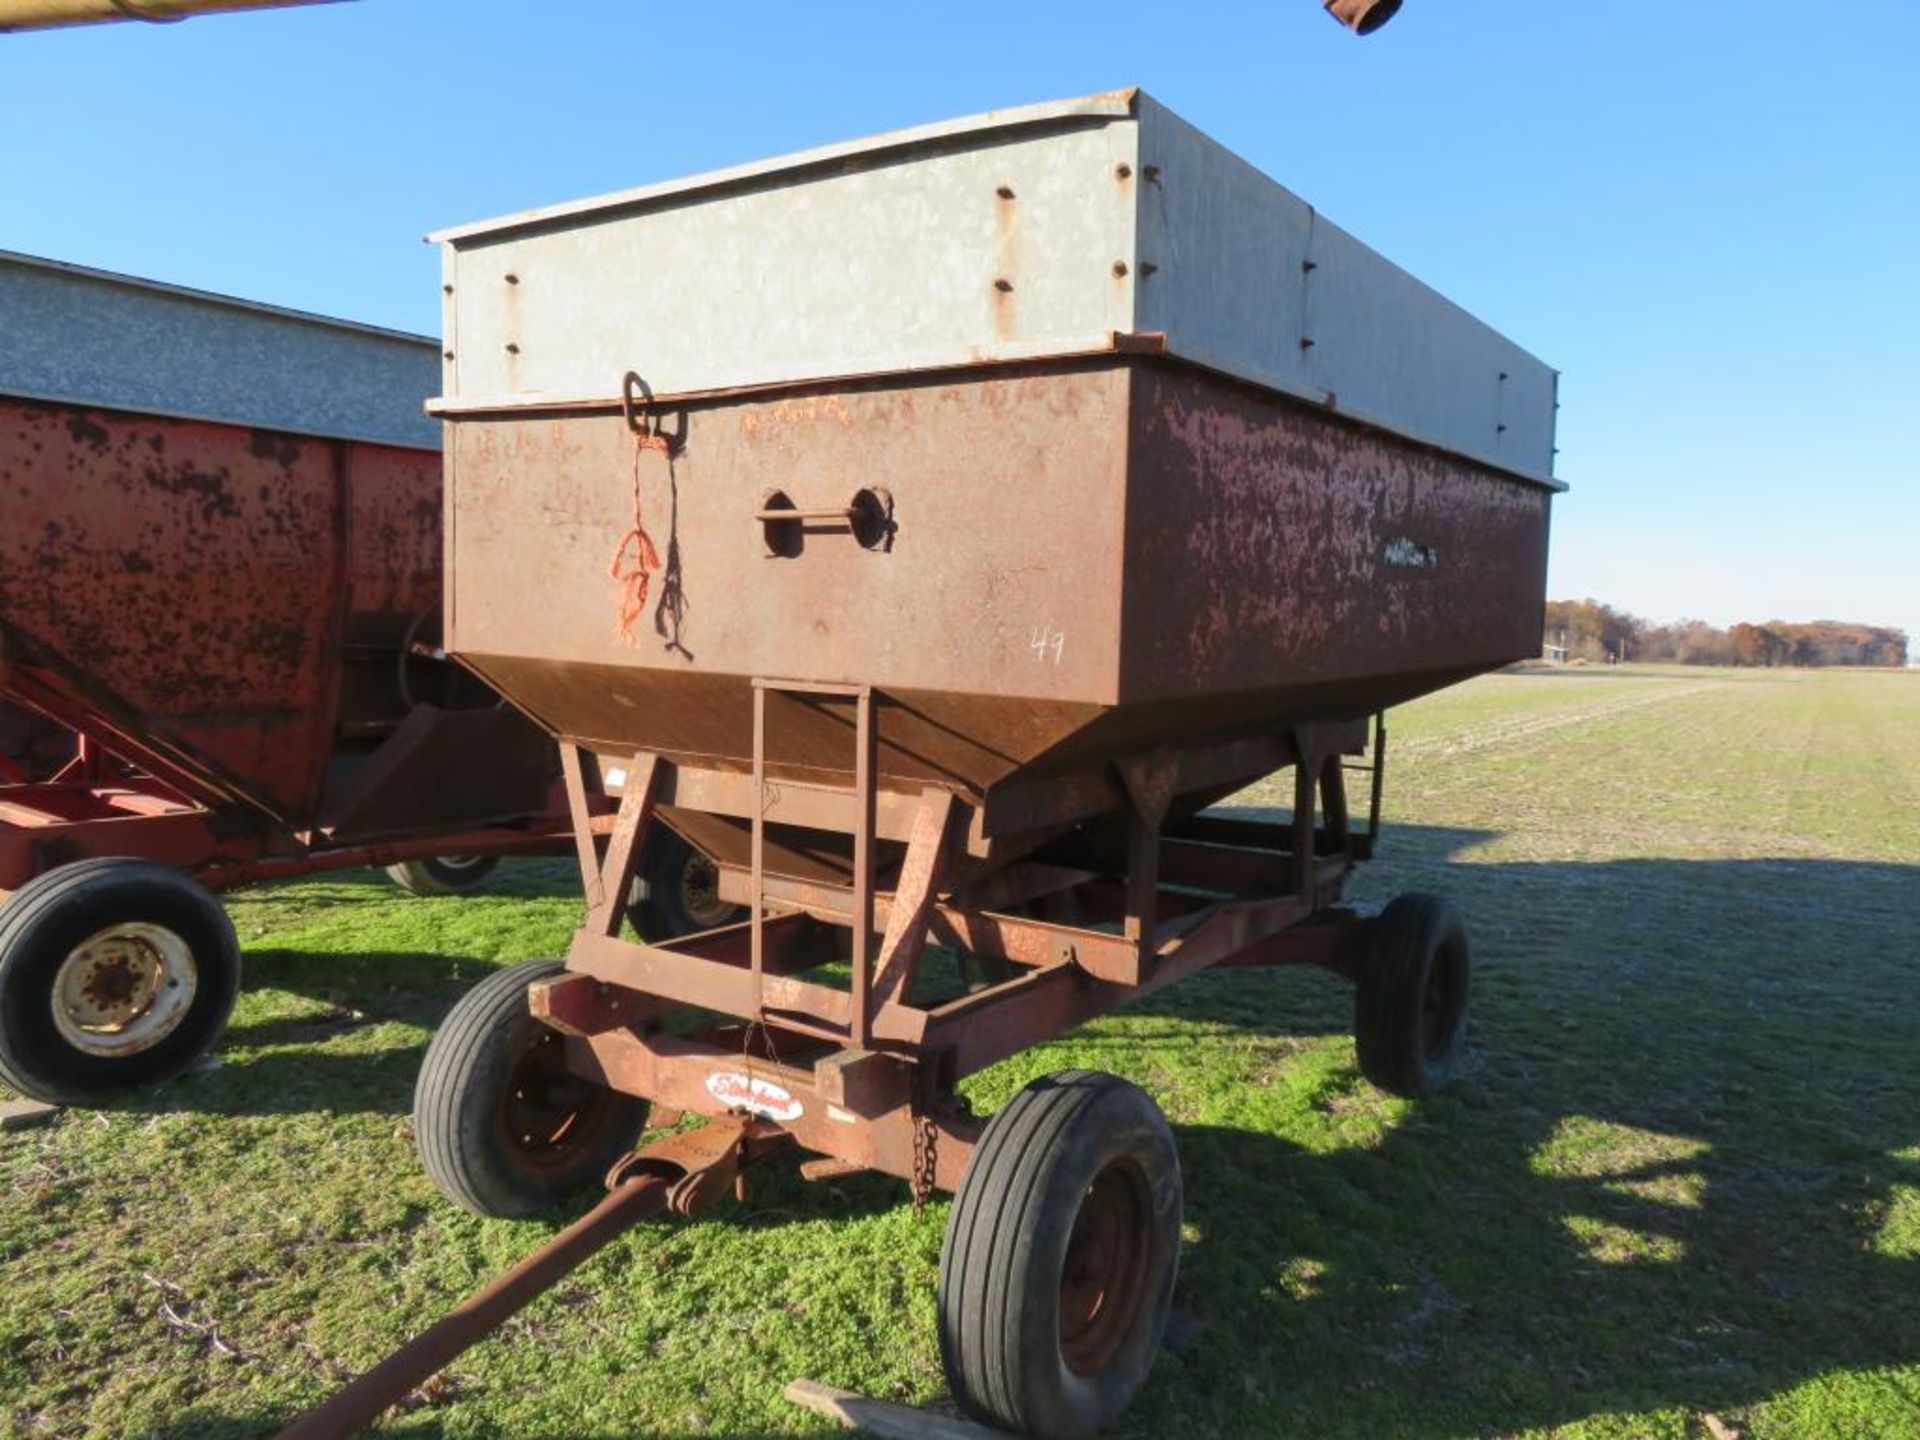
{"type": "Point", "coordinates": [220, 568]}
{"type": "Point", "coordinates": [984, 503]}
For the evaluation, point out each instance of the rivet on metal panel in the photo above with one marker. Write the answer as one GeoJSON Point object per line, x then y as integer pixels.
{"type": "Point", "coordinates": [1119, 269]}
{"type": "Point", "coordinates": [1003, 285]}
{"type": "Point", "coordinates": [446, 354]}
{"type": "Point", "coordinates": [1005, 192]}
{"type": "Point", "coordinates": [1147, 267]}
{"type": "Point", "coordinates": [512, 348]}
{"type": "Point", "coordinates": [446, 289]}
{"type": "Point", "coordinates": [1151, 174]}
{"type": "Point", "coordinates": [512, 279]}
{"type": "Point", "coordinates": [1307, 267]}
{"type": "Point", "coordinates": [1123, 171]}
{"type": "Point", "coordinates": [1306, 342]}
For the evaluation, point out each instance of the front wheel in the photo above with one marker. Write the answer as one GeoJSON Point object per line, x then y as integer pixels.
{"type": "Point", "coordinates": [1061, 1250]}
{"type": "Point", "coordinates": [505, 1129]}
{"type": "Point", "coordinates": [114, 974]}
{"type": "Point", "coordinates": [1410, 1005]}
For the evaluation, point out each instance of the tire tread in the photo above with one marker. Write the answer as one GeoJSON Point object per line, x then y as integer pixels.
{"type": "Point", "coordinates": [79, 883]}
{"type": "Point", "coordinates": [1008, 1188]}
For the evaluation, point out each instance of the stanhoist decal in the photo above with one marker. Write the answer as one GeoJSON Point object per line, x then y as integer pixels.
{"type": "Point", "coordinates": [739, 1091]}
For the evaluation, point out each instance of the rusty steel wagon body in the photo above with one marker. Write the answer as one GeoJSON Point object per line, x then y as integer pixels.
{"type": "Point", "coordinates": [220, 569]}
{"type": "Point", "coordinates": [930, 530]}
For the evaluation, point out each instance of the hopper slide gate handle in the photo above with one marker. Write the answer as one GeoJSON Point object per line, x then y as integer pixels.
{"type": "Point", "coordinates": [868, 517]}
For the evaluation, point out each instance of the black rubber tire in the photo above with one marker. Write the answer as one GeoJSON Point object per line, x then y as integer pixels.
{"type": "Point", "coordinates": [461, 1101]}
{"type": "Point", "coordinates": [1003, 1266]}
{"type": "Point", "coordinates": [673, 873]}
{"type": "Point", "coordinates": [442, 875]}
{"type": "Point", "coordinates": [42, 922]}
{"type": "Point", "coordinates": [1410, 1005]}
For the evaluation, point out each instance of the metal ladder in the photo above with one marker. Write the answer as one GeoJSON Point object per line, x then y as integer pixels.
{"type": "Point", "coordinates": [863, 791]}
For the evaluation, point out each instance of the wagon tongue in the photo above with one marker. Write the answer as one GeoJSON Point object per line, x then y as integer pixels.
{"type": "Point", "coordinates": [681, 1173]}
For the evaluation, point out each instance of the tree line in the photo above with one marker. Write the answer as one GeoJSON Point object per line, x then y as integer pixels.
{"type": "Point", "coordinates": [1589, 630]}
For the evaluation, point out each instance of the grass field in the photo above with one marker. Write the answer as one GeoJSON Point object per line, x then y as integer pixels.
{"type": "Point", "coordinates": [1678, 1186]}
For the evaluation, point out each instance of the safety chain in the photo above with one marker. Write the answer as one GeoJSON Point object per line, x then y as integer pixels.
{"type": "Point", "coordinates": [926, 1137]}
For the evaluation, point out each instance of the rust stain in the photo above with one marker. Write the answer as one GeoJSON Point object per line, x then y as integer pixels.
{"type": "Point", "coordinates": [87, 431]}
{"type": "Point", "coordinates": [1089, 554]}
{"type": "Point", "coordinates": [1007, 249]}
{"type": "Point", "coordinates": [188, 579]}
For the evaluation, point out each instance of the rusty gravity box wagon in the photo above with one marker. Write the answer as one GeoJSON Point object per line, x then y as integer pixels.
{"type": "Point", "coordinates": [930, 530]}
{"type": "Point", "coordinates": [220, 574]}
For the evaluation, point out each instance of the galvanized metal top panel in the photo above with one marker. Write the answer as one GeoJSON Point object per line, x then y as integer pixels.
{"type": "Point", "coordinates": [1057, 229]}
{"type": "Point", "coordinates": [92, 337]}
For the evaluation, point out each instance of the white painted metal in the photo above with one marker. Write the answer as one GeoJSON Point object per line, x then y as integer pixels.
{"type": "Point", "coordinates": [124, 989]}
{"type": "Point", "coordinates": [1251, 280]}
{"type": "Point", "coordinates": [1044, 231]}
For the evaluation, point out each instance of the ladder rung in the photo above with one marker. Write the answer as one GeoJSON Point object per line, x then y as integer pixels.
{"type": "Point", "coordinates": [812, 687]}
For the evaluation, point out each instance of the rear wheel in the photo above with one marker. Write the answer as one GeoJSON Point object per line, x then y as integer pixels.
{"type": "Point", "coordinates": [114, 974]}
{"type": "Point", "coordinates": [1058, 1268]}
{"type": "Point", "coordinates": [679, 890]}
{"type": "Point", "coordinates": [1410, 1005]}
{"type": "Point", "coordinates": [504, 1128]}
{"type": "Point", "coordinates": [442, 874]}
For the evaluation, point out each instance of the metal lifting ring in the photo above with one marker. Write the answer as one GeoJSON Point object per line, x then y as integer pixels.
{"type": "Point", "coordinates": [636, 404]}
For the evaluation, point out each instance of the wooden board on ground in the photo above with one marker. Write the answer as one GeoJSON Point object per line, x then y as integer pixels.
{"type": "Point", "coordinates": [19, 1114]}
{"type": "Point", "coordinates": [883, 1417]}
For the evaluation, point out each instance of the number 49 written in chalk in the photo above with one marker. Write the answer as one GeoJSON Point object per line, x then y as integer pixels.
{"type": "Point", "coordinates": [1048, 644]}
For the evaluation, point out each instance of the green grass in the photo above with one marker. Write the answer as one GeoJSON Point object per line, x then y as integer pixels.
{"type": "Point", "coordinates": [1679, 1178]}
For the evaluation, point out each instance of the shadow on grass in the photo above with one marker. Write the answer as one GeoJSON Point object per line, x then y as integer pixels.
{"type": "Point", "coordinates": [319, 1061]}
{"type": "Point", "coordinates": [1670, 1178]}
{"type": "Point", "coordinates": [212, 1425]}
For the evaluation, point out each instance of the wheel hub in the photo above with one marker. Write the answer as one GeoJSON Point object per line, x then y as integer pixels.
{"type": "Point", "coordinates": [124, 989]}
{"type": "Point", "coordinates": [1439, 1004]}
{"type": "Point", "coordinates": [546, 1110]}
{"type": "Point", "coordinates": [1109, 1259]}
{"type": "Point", "coordinates": [700, 892]}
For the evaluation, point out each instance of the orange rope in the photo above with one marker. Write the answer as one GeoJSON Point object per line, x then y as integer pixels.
{"type": "Point", "coordinates": [636, 558]}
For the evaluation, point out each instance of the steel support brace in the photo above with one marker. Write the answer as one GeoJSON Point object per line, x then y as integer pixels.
{"type": "Point", "coordinates": [623, 846]}
{"type": "Point", "coordinates": [914, 891]}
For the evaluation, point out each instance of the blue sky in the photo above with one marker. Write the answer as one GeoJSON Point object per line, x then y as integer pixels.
{"type": "Point", "coordinates": [1707, 216]}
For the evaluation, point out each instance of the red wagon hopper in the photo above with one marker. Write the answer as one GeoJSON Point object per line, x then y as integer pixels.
{"type": "Point", "coordinates": [220, 569]}
{"type": "Point", "coordinates": [930, 530]}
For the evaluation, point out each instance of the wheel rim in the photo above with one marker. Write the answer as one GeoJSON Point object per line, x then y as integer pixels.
{"type": "Point", "coordinates": [124, 989]}
{"type": "Point", "coordinates": [1104, 1282]}
{"type": "Point", "coordinates": [700, 893]}
{"type": "Point", "coordinates": [1439, 1004]}
{"type": "Point", "coordinates": [460, 863]}
{"type": "Point", "coordinates": [547, 1113]}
